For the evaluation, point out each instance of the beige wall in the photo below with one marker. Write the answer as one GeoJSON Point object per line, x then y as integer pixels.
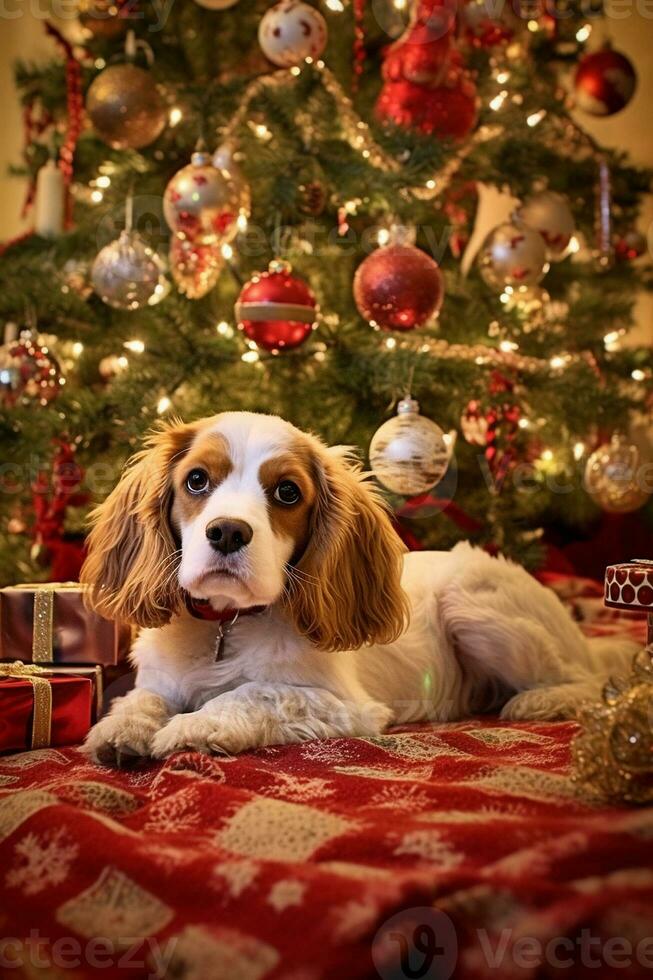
{"type": "Point", "coordinates": [630, 26]}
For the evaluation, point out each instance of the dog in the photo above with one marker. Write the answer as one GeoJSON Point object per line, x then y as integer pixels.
{"type": "Point", "coordinates": [276, 604]}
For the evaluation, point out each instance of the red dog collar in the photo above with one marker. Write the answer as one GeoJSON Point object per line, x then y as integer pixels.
{"type": "Point", "coordinates": [202, 609]}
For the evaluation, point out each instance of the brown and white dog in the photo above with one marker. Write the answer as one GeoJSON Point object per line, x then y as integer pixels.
{"type": "Point", "coordinates": [276, 604]}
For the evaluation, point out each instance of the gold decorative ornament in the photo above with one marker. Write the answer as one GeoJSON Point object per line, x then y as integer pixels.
{"type": "Point", "coordinates": [126, 107]}
{"type": "Point", "coordinates": [613, 755]}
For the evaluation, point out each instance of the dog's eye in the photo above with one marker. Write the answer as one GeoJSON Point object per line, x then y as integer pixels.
{"type": "Point", "coordinates": [197, 481]}
{"type": "Point", "coordinates": [287, 492]}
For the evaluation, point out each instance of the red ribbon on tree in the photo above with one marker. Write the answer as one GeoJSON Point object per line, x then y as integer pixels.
{"type": "Point", "coordinates": [52, 494]}
{"type": "Point", "coordinates": [411, 510]}
{"type": "Point", "coordinates": [74, 108]}
{"type": "Point", "coordinates": [502, 418]}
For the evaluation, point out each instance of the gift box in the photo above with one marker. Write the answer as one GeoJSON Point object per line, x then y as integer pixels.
{"type": "Point", "coordinates": [39, 708]}
{"type": "Point", "coordinates": [629, 585]}
{"type": "Point", "coordinates": [93, 673]}
{"type": "Point", "coordinates": [49, 623]}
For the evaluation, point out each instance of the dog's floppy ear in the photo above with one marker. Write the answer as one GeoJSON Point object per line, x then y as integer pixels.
{"type": "Point", "coordinates": [347, 592]}
{"type": "Point", "coordinates": [130, 568]}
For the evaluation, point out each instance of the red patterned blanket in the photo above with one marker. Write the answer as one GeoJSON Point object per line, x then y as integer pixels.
{"type": "Point", "coordinates": [433, 851]}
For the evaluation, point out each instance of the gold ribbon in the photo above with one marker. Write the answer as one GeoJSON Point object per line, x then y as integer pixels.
{"type": "Point", "coordinates": [42, 719]}
{"type": "Point", "coordinates": [43, 618]}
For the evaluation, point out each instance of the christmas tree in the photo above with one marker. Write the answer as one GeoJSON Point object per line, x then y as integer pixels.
{"type": "Point", "coordinates": [245, 207]}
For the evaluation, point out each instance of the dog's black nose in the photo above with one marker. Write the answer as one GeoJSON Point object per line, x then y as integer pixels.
{"type": "Point", "coordinates": [227, 534]}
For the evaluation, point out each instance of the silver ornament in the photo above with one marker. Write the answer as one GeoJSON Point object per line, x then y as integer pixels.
{"type": "Point", "coordinates": [292, 31]}
{"type": "Point", "coordinates": [615, 478]}
{"type": "Point", "coordinates": [548, 213]}
{"type": "Point", "coordinates": [201, 203]}
{"type": "Point", "coordinates": [408, 453]}
{"type": "Point", "coordinates": [223, 160]}
{"type": "Point", "coordinates": [513, 255]}
{"type": "Point", "coordinates": [127, 274]}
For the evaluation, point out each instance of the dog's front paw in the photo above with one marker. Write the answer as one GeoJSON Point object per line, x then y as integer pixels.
{"type": "Point", "coordinates": [199, 732]}
{"type": "Point", "coordinates": [121, 740]}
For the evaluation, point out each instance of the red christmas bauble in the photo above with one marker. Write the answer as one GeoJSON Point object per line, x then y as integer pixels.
{"type": "Point", "coordinates": [446, 112]}
{"type": "Point", "coordinates": [630, 246]}
{"type": "Point", "coordinates": [276, 309]}
{"type": "Point", "coordinates": [398, 287]}
{"type": "Point", "coordinates": [474, 424]}
{"type": "Point", "coordinates": [605, 82]}
{"type": "Point", "coordinates": [28, 373]}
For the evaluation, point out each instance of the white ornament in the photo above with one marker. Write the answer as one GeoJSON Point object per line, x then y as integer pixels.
{"type": "Point", "coordinates": [548, 213]}
{"type": "Point", "coordinates": [408, 453]}
{"type": "Point", "coordinates": [128, 274]}
{"type": "Point", "coordinates": [292, 31]}
{"type": "Point", "coordinates": [513, 255]}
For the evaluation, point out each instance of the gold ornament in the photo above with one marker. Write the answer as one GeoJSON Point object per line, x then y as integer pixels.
{"type": "Point", "coordinates": [195, 268]}
{"type": "Point", "coordinates": [126, 108]}
{"type": "Point", "coordinates": [612, 477]}
{"type": "Point", "coordinates": [613, 755]}
{"type": "Point", "coordinates": [102, 18]}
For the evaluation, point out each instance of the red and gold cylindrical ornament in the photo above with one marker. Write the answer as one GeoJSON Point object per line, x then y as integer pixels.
{"type": "Point", "coordinates": [277, 309]}
{"type": "Point", "coordinates": [629, 585]}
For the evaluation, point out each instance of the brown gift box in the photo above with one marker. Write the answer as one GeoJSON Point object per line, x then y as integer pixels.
{"type": "Point", "coordinates": [47, 623]}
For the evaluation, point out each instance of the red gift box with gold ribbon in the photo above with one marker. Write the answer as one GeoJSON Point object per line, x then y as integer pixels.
{"type": "Point", "coordinates": [48, 623]}
{"type": "Point", "coordinates": [39, 708]}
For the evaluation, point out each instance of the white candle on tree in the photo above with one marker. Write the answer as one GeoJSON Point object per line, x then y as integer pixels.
{"type": "Point", "coordinates": [50, 201]}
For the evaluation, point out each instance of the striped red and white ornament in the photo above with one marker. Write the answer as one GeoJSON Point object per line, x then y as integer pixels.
{"type": "Point", "coordinates": [276, 309]}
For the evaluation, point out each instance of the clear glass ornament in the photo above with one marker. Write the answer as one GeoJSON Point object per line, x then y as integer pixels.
{"type": "Point", "coordinates": [409, 453]}
{"type": "Point", "coordinates": [612, 477]}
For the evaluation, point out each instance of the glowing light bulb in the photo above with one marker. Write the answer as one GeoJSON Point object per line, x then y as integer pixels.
{"type": "Point", "coordinates": [97, 196]}
{"type": "Point", "coordinates": [335, 5]}
{"type": "Point", "coordinates": [583, 33]}
{"type": "Point", "coordinates": [227, 251]}
{"type": "Point", "coordinates": [535, 118]}
{"type": "Point", "coordinates": [391, 343]}
{"type": "Point", "coordinates": [579, 451]}
{"type": "Point", "coordinates": [224, 329]}
{"type": "Point", "coordinates": [498, 100]}
{"type": "Point", "coordinates": [176, 115]}
{"type": "Point", "coordinates": [250, 356]}
{"type": "Point", "coordinates": [638, 375]}
{"type": "Point", "coordinates": [163, 405]}
{"type": "Point", "coordinates": [78, 348]}
{"type": "Point", "coordinates": [136, 346]}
